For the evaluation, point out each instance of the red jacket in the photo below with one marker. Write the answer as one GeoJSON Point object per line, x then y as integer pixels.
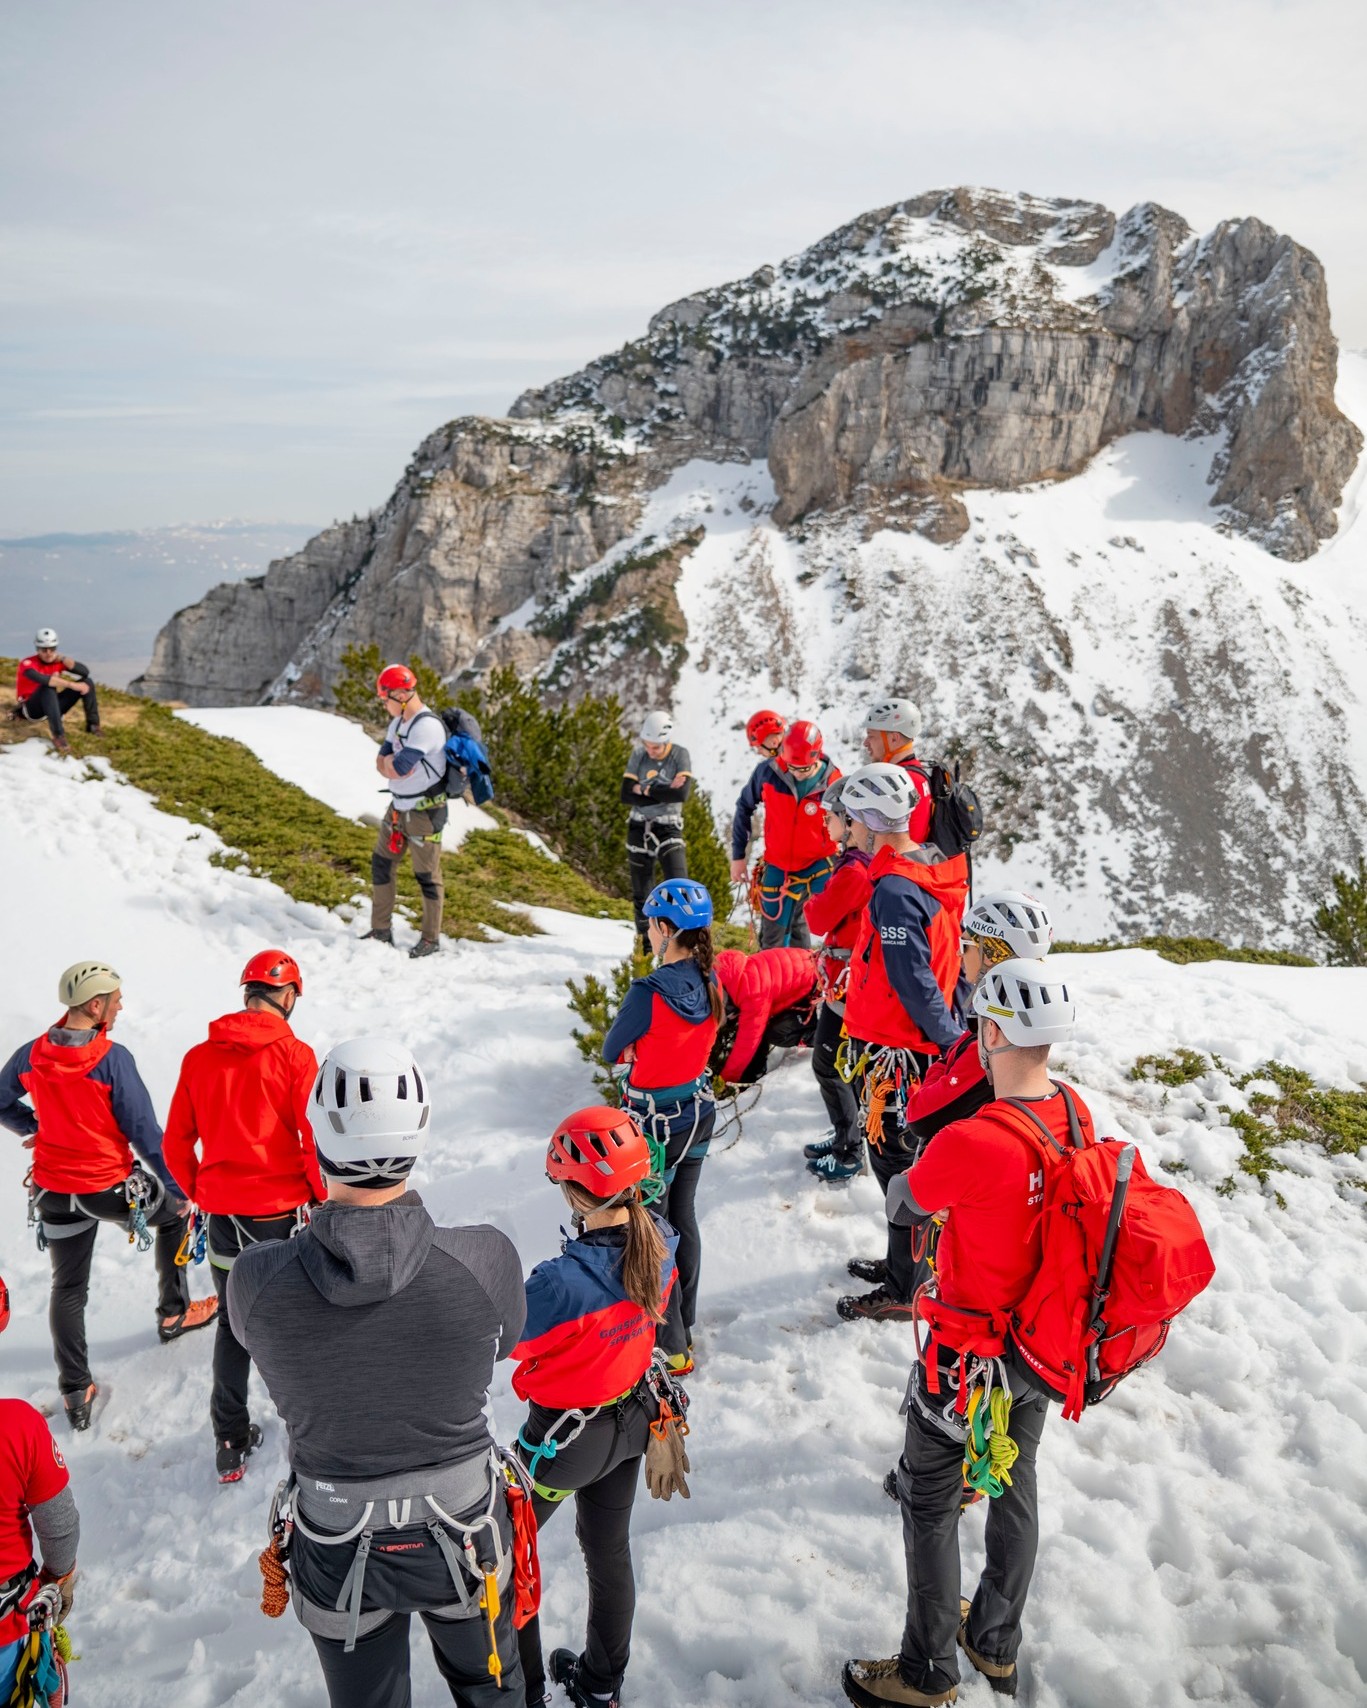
{"type": "Point", "coordinates": [954, 1088]}
{"type": "Point", "coordinates": [924, 810]}
{"type": "Point", "coordinates": [906, 961]}
{"type": "Point", "coordinates": [32, 1470]}
{"type": "Point", "coordinates": [834, 914]}
{"type": "Point", "coordinates": [243, 1098]}
{"type": "Point", "coordinates": [24, 685]}
{"type": "Point", "coordinates": [80, 1146]}
{"type": "Point", "coordinates": [794, 828]}
{"type": "Point", "coordinates": [761, 985]}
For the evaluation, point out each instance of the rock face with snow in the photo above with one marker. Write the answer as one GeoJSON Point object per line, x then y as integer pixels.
{"type": "Point", "coordinates": [846, 469]}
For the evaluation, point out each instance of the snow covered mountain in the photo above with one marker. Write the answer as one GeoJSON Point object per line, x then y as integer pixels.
{"type": "Point", "coordinates": [1203, 1532]}
{"type": "Point", "coordinates": [848, 472]}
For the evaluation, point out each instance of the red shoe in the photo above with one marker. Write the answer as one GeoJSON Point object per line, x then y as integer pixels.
{"type": "Point", "coordinates": [198, 1314]}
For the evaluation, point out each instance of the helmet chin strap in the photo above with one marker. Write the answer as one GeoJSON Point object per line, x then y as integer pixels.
{"type": "Point", "coordinates": [279, 1007]}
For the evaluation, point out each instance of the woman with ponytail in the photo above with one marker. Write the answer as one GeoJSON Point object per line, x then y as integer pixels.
{"type": "Point", "coordinates": [662, 1037]}
{"type": "Point", "coordinates": [588, 1344]}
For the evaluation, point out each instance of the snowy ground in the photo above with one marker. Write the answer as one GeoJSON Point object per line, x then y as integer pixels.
{"type": "Point", "coordinates": [1205, 1533]}
{"type": "Point", "coordinates": [329, 757]}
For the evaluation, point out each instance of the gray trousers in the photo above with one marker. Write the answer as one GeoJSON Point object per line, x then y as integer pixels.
{"type": "Point", "coordinates": [421, 834]}
{"type": "Point", "coordinates": [930, 1489]}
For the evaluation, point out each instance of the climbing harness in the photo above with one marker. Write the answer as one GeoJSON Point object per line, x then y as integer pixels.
{"type": "Point", "coordinates": [888, 1078]}
{"type": "Point", "coordinates": [550, 1445]}
{"type": "Point", "coordinates": [146, 1195]}
{"type": "Point", "coordinates": [645, 1105]}
{"type": "Point", "coordinates": [194, 1243]}
{"type": "Point", "coordinates": [651, 843]}
{"type": "Point", "coordinates": [35, 1220]}
{"type": "Point", "coordinates": [217, 1259]}
{"type": "Point", "coordinates": [480, 1565]}
{"type": "Point", "coordinates": [40, 1680]}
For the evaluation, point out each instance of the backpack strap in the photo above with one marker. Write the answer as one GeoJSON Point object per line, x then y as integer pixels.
{"type": "Point", "coordinates": [1075, 1134]}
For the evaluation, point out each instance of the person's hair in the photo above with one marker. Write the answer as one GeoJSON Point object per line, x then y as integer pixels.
{"type": "Point", "coordinates": [1032, 1055]}
{"type": "Point", "coordinates": [645, 1252]}
{"type": "Point", "coordinates": [698, 943]}
{"type": "Point", "coordinates": [87, 1007]}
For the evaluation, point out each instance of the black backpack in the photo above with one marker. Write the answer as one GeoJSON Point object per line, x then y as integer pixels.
{"type": "Point", "coordinates": [956, 817]}
{"type": "Point", "coordinates": [467, 760]}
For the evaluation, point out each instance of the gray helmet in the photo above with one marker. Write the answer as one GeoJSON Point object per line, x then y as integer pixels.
{"type": "Point", "coordinates": [880, 796]}
{"type": "Point", "coordinates": [45, 637]}
{"type": "Point", "coordinates": [657, 726]}
{"type": "Point", "coordinates": [896, 716]}
{"type": "Point", "coordinates": [86, 979]}
{"type": "Point", "coordinates": [832, 801]}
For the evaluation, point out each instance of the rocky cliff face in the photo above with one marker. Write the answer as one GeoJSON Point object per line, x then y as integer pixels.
{"type": "Point", "coordinates": [871, 389]}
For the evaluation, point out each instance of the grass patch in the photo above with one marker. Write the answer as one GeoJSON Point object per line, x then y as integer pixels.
{"type": "Point", "coordinates": [274, 830]}
{"type": "Point", "coordinates": [1186, 950]}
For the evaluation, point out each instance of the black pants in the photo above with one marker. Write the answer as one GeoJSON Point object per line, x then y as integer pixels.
{"type": "Point", "coordinates": [644, 852]}
{"type": "Point", "coordinates": [930, 1488]}
{"type": "Point", "coordinates": [376, 1673]}
{"type": "Point", "coordinates": [893, 1157]}
{"type": "Point", "coordinates": [603, 1467]}
{"type": "Point", "coordinates": [842, 1106]}
{"type": "Point", "coordinates": [71, 1223]}
{"type": "Point", "coordinates": [228, 1237]}
{"type": "Point", "coordinates": [51, 703]}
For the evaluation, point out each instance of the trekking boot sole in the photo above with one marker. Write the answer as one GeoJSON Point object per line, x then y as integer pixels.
{"type": "Point", "coordinates": [854, 1308]}
{"type": "Point", "coordinates": [173, 1331]}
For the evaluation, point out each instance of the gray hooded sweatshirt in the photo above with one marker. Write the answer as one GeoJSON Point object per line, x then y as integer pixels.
{"type": "Point", "coordinates": [376, 1332]}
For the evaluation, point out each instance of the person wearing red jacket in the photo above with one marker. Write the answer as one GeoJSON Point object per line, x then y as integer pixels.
{"type": "Point", "coordinates": [903, 980]}
{"type": "Point", "coordinates": [798, 853]}
{"type": "Point", "coordinates": [35, 1495]}
{"type": "Point", "coordinates": [835, 914]}
{"type": "Point", "coordinates": [983, 1177]}
{"type": "Point", "coordinates": [770, 1002]}
{"type": "Point", "coordinates": [891, 728]}
{"type": "Point", "coordinates": [586, 1352]}
{"type": "Point", "coordinates": [239, 1142]}
{"type": "Point", "coordinates": [96, 1158]}
{"type": "Point", "coordinates": [47, 685]}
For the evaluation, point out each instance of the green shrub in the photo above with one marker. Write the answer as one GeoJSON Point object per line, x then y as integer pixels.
{"type": "Point", "coordinates": [708, 860]}
{"type": "Point", "coordinates": [595, 1005]}
{"type": "Point", "coordinates": [1343, 924]}
{"type": "Point", "coordinates": [1186, 950]}
{"type": "Point", "coordinates": [354, 691]}
{"type": "Point", "coordinates": [1179, 1069]}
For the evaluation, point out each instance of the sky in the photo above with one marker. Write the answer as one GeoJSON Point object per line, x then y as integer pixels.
{"type": "Point", "coordinates": [251, 254]}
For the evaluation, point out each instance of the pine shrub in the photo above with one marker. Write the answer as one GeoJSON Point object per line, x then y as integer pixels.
{"type": "Point", "coordinates": [1343, 923]}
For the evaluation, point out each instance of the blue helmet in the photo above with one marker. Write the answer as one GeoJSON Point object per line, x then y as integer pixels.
{"type": "Point", "coordinates": [684, 902]}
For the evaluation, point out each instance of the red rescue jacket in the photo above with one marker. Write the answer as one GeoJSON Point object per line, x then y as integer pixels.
{"type": "Point", "coordinates": [243, 1099]}
{"type": "Point", "coordinates": [794, 829]}
{"type": "Point", "coordinates": [906, 960]}
{"type": "Point", "coordinates": [834, 914]}
{"type": "Point", "coordinates": [80, 1146]}
{"type": "Point", "coordinates": [24, 685]}
{"type": "Point", "coordinates": [32, 1471]}
{"type": "Point", "coordinates": [761, 985]}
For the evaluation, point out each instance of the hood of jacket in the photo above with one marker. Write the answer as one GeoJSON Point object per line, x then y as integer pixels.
{"type": "Point", "coordinates": [358, 1254]}
{"type": "Point", "coordinates": [249, 1029]}
{"type": "Point", "coordinates": [943, 876]}
{"type": "Point", "coordinates": [60, 1051]}
{"type": "Point", "coordinates": [685, 990]}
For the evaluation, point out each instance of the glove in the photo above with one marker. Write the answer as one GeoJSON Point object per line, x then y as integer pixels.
{"type": "Point", "coordinates": [667, 1458]}
{"type": "Point", "coordinates": [67, 1589]}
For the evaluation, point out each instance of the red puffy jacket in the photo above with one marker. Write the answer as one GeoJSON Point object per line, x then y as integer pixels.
{"type": "Point", "coordinates": [906, 962]}
{"type": "Point", "coordinates": [834, 914]}
{"type": "Point", "coordinates": [243, 1098]}
{"type": "Point", "coordinates": [761, 985]}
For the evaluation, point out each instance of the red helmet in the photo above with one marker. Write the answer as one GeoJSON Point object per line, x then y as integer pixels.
{"type": "Point", "coordinates": [764, 726]}
{"type": "Point", "coordinates": [802, 744]}
{"type": "Point", "coordinates": [4, 1305]}
{"type": "Point", "coordinates": [601, 1149]}
{"type": "Point", "coordinates": [395, 679]}
{"type": "Point", "coordinates": [274, 967]}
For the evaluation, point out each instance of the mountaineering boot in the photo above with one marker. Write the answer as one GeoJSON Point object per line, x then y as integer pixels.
{"type": "Point", "coordinates": [874, 1270]}
{"type": "Point", "coordinates": [834, 1170]}
{"type": "Point", "coordinates": [890, 1487]}
{"type": "Point", "coordinates": [878, 1306]}
{"type": "Point", "coordinates": [198, 1314]}
{"type": "Point", "coordinates": [564, 1670]}
{"type": "Point", "coordinates": [78, 1407]}
{"type": "Point", "coordinates": [1001, 1675]}
{"type": "Point", "coordinates": [378, 937]}
{"type": "Point", "coordinates": [822, 1146]}
{"type": "Point", "coordinates": [230, 1460]}
{"type": "Point", "coordinates": [423, 946]}
{"type": "Point", "coordinates": [879, 1684]}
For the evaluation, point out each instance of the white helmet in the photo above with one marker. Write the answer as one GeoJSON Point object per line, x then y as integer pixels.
{"type": "Point", "coordinates": [1031, 1005]}
{"type": "Point", "coordinates": [897, 717]}
{"type": "Point", "coordinates": [658, 726]}
{"type": "Point", "coordinates": [369, 1112]}
{"type": "Point", "coordinates": [880, 796]}
{"type": "Point", "coordinates": [86, 979]}
{"type": "Point", "coordinates": [1014, 919]}
{"type": "Point", "coordinates": [45, 637]}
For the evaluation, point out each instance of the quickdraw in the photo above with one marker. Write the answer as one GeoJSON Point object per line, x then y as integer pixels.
{"type": "Point", "coordinates": [35, 1220]}
{"type": "Point", "coordinates": [194, 1242]}
{"type": "Point", "coordinates": [850, 1069]}
{"type": "Point", "coordinates": [41, 1674]}
{"type": "Point", "coordinates": [888, 1078]}
{"type": "Point", "coordinates": [145, 1194]}
{"type": "Point", "coordinates": [549, 1446]}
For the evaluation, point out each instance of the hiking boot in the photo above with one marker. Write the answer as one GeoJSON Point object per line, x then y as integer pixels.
{"type": "Point", "coordinates": [890, 1487]}
{"type": "Point", "coordinates": [874, 1270]}
{"type": "Point", "coordinates": [879, 1684]}
{"type": "Point", "coordinates": [822, 1146]}
{"type": "Point", "coordinates": [230, 1458]}
{"type": "Point", "coordinates": [835, 1170]}
{"type": "Point", "coordinates": [564, 1670]}
{"type": "Point", "coordinates": [878, 1306]}
{"type": "Point", "coordinates": [94, 729]}
{"type": "Point", "coordinates": [423, 946]}
{"type": "Point", "coordinates": [378, 937]}
{"type": "Point", "coordinates": [1000, 1675]}
{"type": "Point", "coordinates": [78, 1407]}
{"type": "Point", "coordinates": [199, 1313]}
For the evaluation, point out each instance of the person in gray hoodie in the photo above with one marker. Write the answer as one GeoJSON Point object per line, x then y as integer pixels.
{"type": "Point", "coordinates": [376, 1332]}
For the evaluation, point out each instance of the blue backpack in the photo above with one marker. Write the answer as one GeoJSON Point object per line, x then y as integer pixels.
{"type": "Point", "coordinates": [467, 761]}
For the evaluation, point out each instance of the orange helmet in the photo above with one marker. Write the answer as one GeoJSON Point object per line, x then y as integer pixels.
{"type": "Point", "coordinates": [395, 679]}
{"type": "Point", "coordinates": [601, 1149]}
{"type": "Point", "coordinates": [802, 744]}
{"type": "Point", "coordinates": [762, 727]}
{"type": "Point", "coordinates": [273, 967]}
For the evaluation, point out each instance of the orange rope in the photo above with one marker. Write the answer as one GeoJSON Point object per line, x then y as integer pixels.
{"type": "Point", "coordinates": [275, 1580]}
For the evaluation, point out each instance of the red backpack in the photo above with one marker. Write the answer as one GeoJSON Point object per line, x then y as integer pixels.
{"type": "Point", "coordinates": [1120, 1257]}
